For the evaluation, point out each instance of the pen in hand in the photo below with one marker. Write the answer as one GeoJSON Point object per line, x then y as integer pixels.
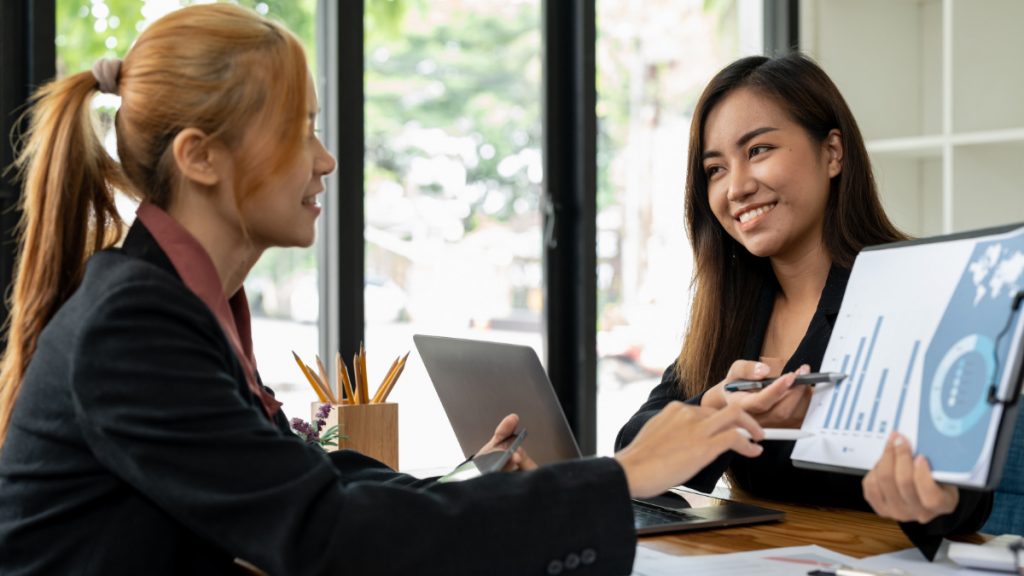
{"type": "Point", "coordinates": [806, 379]}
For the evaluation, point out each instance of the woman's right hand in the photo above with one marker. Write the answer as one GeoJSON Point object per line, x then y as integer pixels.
{"type": "Point", "coordinates": [680, 441]}
{"type": "Point", "coordinates": [778, 405]}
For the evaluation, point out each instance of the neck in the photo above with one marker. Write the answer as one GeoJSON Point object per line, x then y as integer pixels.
{"type": "Point", "coordinates": [233, 254]}
{"type": "Point", "coordinates": [802, 276]}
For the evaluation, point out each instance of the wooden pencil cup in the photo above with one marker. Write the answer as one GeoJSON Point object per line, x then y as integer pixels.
{"type": "Point", "coordinates": [371, 429]}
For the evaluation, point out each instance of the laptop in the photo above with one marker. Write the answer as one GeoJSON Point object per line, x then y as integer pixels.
{"type": "Point", "coordinates": [479, 383]}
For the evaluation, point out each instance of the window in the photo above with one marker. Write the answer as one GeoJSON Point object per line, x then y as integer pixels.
{"type": "Point", "coordinates": [653, 61]}
{"type": "Point", "coordinates": [453, 183]}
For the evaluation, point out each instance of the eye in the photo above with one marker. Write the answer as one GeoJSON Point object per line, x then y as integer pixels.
{"type": "Point", "coordinates": [759, 149]}
{"type": "Point", "coordinates": [711, 171]}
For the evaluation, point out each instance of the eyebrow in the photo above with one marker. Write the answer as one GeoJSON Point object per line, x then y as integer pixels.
{"type": "Point", "coordinates": [742, 141]}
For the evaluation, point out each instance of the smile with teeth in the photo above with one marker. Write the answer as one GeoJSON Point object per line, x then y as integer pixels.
{"type": "Point", "coordinates": [310, 201]}
{"type": "Point", "coordinates": [751, 214]}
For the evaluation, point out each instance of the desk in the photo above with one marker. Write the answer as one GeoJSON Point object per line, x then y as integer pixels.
{"type": "Point", "coordinates": [850, 532]}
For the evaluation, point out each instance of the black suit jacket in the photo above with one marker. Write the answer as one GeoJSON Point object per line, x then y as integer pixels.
{"type": "Point", "coordinates": [136, 447]}
{"type": "Point", "coordinates": [772, 475]}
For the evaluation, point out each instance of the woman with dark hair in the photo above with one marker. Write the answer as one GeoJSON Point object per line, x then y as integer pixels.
{"type": "Point", "coordinates": [780, 198]}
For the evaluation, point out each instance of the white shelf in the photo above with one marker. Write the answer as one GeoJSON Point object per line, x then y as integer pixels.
{"type": "Point", "coordinates": [937, 91]}
{"type": "Point", "coordinates": [931, 146]}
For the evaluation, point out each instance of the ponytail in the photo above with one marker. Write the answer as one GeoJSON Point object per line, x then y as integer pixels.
{"type": "Point", "coordinates": [67, 213]}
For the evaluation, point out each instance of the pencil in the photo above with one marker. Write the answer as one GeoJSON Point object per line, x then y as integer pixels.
{"type": "Point", "coordinates": [324, 379]}
{"type": "Point", "coordinates": [342, 369]}
{"type": "Point", "coordinates": [384, 382]}
{"type": "Point", "coordinates": [394, 379]}
{"type": "Point", "coordinates": [364, 390]}
{"type": "Point", "coordinates": [324, 386]}
{"type": "Point", "coordinates": [355, 375]}
{"type": "Point", "coordinates": [309, 377]}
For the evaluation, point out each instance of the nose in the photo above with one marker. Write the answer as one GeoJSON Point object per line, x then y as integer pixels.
{"type": "Point", "coordinates": [741, 183]}
{"type": "Point", "coordinates": [325, 162]}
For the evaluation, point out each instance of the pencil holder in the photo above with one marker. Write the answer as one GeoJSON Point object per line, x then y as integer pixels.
{"type": "Point", "coordinates": [370, 429]}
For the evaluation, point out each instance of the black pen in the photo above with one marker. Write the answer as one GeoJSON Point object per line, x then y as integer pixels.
{"type": "Point", "coordinates": [808, 379]}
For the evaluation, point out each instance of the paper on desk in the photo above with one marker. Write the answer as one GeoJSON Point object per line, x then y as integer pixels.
{"type": "Point", "coordinates": [913, 563]}
{"type": "Point", "coordinates": [792, 561]}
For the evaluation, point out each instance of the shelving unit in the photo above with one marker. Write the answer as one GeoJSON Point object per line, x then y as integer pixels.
{"type": "Point", "coordinates": [937, 87]}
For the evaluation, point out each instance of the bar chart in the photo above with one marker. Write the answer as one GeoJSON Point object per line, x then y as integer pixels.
{"type": "Point", "coordinates": [855, 404]}
{"type": "Point", "coordinates": [919, 336]}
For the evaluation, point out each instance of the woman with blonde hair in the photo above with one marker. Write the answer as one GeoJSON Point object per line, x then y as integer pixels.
{"type": "Point", "coordinates": [135, 434]}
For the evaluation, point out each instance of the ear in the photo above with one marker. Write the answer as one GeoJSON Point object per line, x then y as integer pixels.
{"type": "Point", "coordinates": [834, 152]}
{"type": "Point", "coordinates": [197, 158]}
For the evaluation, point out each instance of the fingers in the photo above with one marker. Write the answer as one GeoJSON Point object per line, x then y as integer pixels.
{"type": "Point", "coordinates": [901, 486]}
{"type": "Point", "coordinates": [717, 397]}
{"type": "Point", "coordinates": [936, 499]}
{"type": "Point", "coordinates": [524, 461]}
{"type": "Point", "coordinates": [502, 434]}
{"type": "Point", "coordinates": [723, 427]}
{"type": "Point", "coordinates": [880, 476]}
{"type": "Point", "coordinates": [903, 477]}
{"type": "Point", "coordinates": [747, 370]}
{"type": "Point", "coordinates": [738, 443]}
{"type": "Point", "coordinates": [680, 441]}
{"type": "Point", "coordinates": [765, 399]}
{"type": "Point", "coordinates": [506, 428]}
{"type": "Point", "coordinates": [732, 417]}
{"type": "Point", "coordinates": [791, 407]}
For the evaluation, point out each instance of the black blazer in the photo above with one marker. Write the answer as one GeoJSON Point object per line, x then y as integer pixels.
{"type": "Point", "coordinates": [135, 447]}
{"type": "Point", "coordinates": [772, 475]}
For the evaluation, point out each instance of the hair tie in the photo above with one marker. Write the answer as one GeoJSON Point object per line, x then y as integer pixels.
{"type": "Point", "coordinates": [107, 72]}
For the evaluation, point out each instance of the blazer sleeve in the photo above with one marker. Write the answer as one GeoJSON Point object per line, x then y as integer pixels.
{"type": "Point", "coordinates": [665, 392]}
{"type": "Point", "coordinates": [155, 396]}
{"type": "Point", "coordinates": [969, 516]}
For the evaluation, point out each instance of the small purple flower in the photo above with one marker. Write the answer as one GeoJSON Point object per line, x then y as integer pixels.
{"type": "Point", "coordinates": [323, 411]}
{"type": "Point", "coordinates": [310, 433]}
{"type": "Point", "coordinates": [303, 430]}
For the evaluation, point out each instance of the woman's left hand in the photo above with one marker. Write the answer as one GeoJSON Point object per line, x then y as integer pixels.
{"type": "Point", "coordinates": [901, 487]}
{"type": "Point", "coordinates": [519, 460]}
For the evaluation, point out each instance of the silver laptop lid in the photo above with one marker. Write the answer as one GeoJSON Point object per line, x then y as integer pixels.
{"type": "Point", "coordinates": [479, 383]}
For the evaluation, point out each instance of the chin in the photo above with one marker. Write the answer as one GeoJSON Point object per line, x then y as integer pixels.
{"type": "Point", "coordinates": [761, 249]}
{"type": "Point", "coordinates": [304, 241]}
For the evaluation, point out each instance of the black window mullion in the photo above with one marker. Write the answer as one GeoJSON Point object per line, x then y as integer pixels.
{"type": "Point", "coordinates": [343, 255]}
{"type": "Point", "coordinates": [28, 58]}
{"type": "Point", "coordinates": [781, 27]}
{"type": "Point", "coordinates": [570, 183]}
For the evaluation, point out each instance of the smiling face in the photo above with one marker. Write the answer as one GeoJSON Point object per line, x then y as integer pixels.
{"type": "Point", "coordinates": [284, 210]}
{"type": "Point", "coordinates": [768, 180]}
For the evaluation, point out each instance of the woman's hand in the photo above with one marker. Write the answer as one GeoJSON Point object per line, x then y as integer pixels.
{"type": "Point", "coordinates": [681, 440]}
{"type": "Point", "coordinates": [503, 434]}
{"type": "Point", "coordinates": [901, 486]}
{"type": "Point", "coordinates": [778, 405]}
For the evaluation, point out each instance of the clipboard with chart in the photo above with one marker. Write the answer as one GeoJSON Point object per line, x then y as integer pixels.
{"type": "Point", "coordinates": [930, 336]}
